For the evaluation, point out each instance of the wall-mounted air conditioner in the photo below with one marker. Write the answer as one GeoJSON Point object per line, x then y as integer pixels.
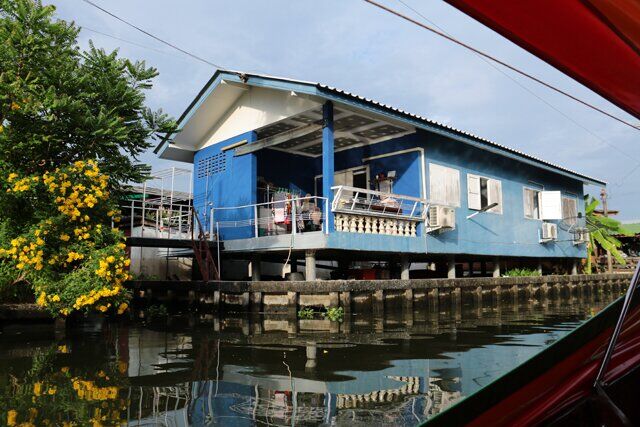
{"type": "Point", "coordinates": [442, 217]}
{"type": "Point", "coordinates": [549, 232]}
{"type": "Point", "coordinates": [580, 236]}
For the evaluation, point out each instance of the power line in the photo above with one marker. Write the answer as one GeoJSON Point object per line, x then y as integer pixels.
{"type": "Point", "coordinates": [619, 182]}
{"type": "Point", "coordinates": [220, 67]}
{"type": "Point", "coordinates": [492, 65]}
{"type": "Point", "coordinates": [498, 61]}
{"type": "Point", "coordinates": [84, 27]}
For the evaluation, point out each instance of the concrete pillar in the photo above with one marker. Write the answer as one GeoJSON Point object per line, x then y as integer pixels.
{"type": "Point", "coordinates": [574, 267]}
{"type": "Point", "coordinates": [496, 267]}
{"type": "Point", "coordinates": [256, 302]}
{"type": "Point", "coordinates": [334, 300]}
{"type": "Point", "coordinates": [327, 159]}
{"type": "Point", "coordinates": [292, 303]}
{"type": "Point", "coordinates": [451, 268]}
{"type": "Point", "coordinates": [540, 268]}
{"type": "Point", "coordinates": [312, 352]}
{"type": "Point", "coordinates": [405, 264]}
{"type": "Point", "coordinates": [244, 300]}
{"type": "Point", "coordinates": [407, 302]}
{"type": "Point", "coordinates": [310, 265]}
{"type": "Point", "coordinates": [256, 269]}
{"type": "Point", "coordinates": [378, 302]}
{"type": "Point", "coordinates": [345, 301]}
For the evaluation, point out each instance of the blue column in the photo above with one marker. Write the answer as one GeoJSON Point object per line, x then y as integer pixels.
{"type": "Point", "coordinates": [327, 159]}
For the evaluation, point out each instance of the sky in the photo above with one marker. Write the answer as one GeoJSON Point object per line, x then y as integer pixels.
{"type": "Point", "coordinates": [352, 45]}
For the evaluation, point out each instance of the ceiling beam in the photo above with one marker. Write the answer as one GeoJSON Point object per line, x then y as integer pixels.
{"type": "Point", "coordinates": [278, 139]}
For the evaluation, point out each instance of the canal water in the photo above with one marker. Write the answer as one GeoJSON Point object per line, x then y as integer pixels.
{"type": "Point", "coordinates": [237, 370]}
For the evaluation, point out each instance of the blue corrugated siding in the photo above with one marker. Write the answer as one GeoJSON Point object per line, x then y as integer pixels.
{"type": "Point", "coordinates": [508, 234]}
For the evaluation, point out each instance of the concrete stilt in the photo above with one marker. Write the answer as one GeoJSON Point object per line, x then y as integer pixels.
{"type": "Point", "coordinates": [405, 264]}
{"type": "Point", "coordinates": [496, 267]}
{"type": "Point", "coordinates": [256, 269]}
{"type": "Point", "coordinates": [574, 267]}
{"type": "Point", "coordinates": [310, 265]}
{"type": "Point", "coordinates": [539, 268]}
{"type": "Point", "coordinates": [451, 268]}
{"type": "Point", "coordinates": [407, 302]}
{"type": "Point", "coordinates": [378, 302]}
{"type": "Point", "coordinates": [345, 301]}
{"type": "Point", "coordinates": [256, 302]}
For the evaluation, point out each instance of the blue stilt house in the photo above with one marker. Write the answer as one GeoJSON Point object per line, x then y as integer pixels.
{"type": "Point", "coordinates": [293, 169]}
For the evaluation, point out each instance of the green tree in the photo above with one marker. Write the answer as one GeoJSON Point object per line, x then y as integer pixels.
{"type": "Point", "coordinates": [73, 124]}
{"type": "Point", "coordinates": [59, 104]}
{"type": "Point", "coordinates": [602, 233]}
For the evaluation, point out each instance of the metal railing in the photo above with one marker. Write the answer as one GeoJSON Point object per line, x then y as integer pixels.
{"type": "Point", "coordinates": [360, 201]}
{"type": "Point", "coordinates": [157, 221]}
{"type": "Point", "coordinates": [287, 216]}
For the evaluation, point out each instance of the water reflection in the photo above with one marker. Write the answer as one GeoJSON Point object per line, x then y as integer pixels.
{"type": "Point", "coordinates": [245, 371]}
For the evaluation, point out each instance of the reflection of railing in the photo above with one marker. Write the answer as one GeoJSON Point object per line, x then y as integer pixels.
{"type": "Point", "coordinates": [359, 210]}
{"type": "Point", "coordinates": [286, 216]}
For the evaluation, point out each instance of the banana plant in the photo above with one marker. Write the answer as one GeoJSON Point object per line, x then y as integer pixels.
{"type": "Point", "coordinates": [602, 233]}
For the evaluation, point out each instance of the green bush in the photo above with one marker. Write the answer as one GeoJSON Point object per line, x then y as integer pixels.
{"type": "Point", "coordinates": [521, 272]}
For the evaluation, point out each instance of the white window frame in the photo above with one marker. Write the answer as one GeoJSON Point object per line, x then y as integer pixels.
{"type": "Point", "coordinates": [491, 198]}
{"type": "Point", "coordinates": [353, 169]}
{"type": "Point", "coordinates": [452, 172]}
{"type": "Point", "coordinates": [524, 201]}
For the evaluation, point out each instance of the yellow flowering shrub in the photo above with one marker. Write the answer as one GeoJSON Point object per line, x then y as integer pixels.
{"type": "Point", "coordinates": [69, 254]}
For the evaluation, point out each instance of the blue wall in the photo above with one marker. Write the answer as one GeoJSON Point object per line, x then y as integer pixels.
{"type": "Point", "coordinates": [235, 186]}
{"type": "Point", "coordinates": [506, 234]}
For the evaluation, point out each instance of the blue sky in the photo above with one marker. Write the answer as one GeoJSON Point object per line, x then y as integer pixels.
{"type": "Point", "coordinates": [354, 46]}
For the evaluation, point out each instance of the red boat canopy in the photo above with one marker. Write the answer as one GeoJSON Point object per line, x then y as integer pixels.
{"type": "Point", "coordinates": [596, 42]}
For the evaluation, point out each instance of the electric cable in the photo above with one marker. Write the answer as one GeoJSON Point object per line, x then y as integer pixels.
{"type": "Point", "coordinates": [498, 61]}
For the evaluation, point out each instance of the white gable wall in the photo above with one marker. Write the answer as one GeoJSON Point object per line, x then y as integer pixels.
{"type": "Point", "coordinates": [255, 108]}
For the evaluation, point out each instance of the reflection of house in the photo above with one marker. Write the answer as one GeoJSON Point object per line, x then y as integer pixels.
{"type": "Point", "coordinates": [281, 163]}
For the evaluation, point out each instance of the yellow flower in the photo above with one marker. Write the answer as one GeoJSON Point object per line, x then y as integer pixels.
{"type": "Point", "coordinates": [37, 389]}
{"type": "Point", "coordinates": [12, 415]}
{"type": "Point", "coordinates": [123, 307]}
{"type": "Point", "coordinates": [51, 391]}
{"type": "Point", "coordinates": [14, 106]}
{"type": "Point", "coordinates": [64, 237]}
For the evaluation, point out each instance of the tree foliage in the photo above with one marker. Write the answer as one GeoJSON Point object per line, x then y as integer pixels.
{"type": "Point", "coordinates": [602, 233]}
{"type": "Point", "coordinates": [73, 124]}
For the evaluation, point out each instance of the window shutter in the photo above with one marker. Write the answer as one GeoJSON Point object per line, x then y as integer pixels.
{"type": "Point", "coordinates": [436, 184]}
{"type": "Point", "coordinates": [569, 210]}
{"type": "Point", "coordinates": [473, 192]}
{"type": "Point", "coordinates": [444, 185]}
{"type": "Point", "coordinates": [495, 195]}
{"type": "Point", "coordinates": [550, 203]}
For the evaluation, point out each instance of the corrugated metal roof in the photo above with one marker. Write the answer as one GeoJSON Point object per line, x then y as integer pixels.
{"type": "Point", "coordinates": [376, 104]}
{"type": "Point", "coordinates": [453, 129]}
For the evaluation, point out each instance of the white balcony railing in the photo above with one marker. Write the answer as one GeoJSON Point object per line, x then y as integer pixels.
{"type": "Point", "coordinates": [359, 210]}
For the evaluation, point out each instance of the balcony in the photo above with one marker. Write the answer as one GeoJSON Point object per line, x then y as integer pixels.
{"type": "Point", "coordinates": [359, 210]}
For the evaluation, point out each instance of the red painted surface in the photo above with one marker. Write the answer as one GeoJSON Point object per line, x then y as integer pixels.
{"type": "Point", "coordinates": [568, 381]}
{"type": "Point", "coordinates": [596, 42]}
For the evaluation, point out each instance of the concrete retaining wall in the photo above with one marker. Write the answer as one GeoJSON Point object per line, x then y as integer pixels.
{"type": "Point", "coordinates": [372, 294]}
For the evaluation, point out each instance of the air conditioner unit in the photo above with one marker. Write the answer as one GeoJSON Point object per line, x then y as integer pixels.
{"type": "Point", "coordinates": [580, 236]}
{"type": "Point", "coordinates": [549, 231]}
{"type": "Point", "coordinates": [442, 217]}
